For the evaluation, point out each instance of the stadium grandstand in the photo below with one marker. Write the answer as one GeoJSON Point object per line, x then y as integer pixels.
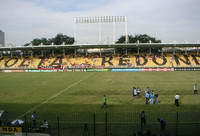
{"type": "Point", "coordinates": [139, 55]}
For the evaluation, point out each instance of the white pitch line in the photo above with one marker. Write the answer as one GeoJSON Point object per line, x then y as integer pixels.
{"type": "Point", "coordinates": [54, 96]}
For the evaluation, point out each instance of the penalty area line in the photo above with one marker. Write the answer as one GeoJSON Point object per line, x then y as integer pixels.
{"type": "Point", "coordinates": [55, 95]}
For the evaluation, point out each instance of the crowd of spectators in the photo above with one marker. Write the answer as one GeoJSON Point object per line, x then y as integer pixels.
{"type": "Point", "coordinates": [92, 60]}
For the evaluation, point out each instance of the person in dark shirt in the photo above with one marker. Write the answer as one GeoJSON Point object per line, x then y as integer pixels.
{"type": "Point", "coordinates": [143, 119]}
{"type": "Point", "coordinates": [34, 117]}
{"type": "Point", "coordinates": [162, 123]}
{"type": "Point", "coordinates": [156, 99]}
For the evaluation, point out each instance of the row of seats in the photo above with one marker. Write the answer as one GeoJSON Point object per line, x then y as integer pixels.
{"type": "Point", "coordinates": [168, 60]}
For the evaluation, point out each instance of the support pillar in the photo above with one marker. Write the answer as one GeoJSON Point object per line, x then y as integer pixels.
{"type": "Point", "coordinates": [100, 52]}
{"type": "Point", "coordinates": [86, 53]}
{"type": "Point", "coordinates": [31, 53]}
{"type": "Point", "coordinates": [42, 53]}
{"type": "Point", "coordinates": [138, 50]}
{"type": "Point", "coordinates": [21, 54]}
{"type": "Point", "coordinates": [64, 52]}
{"type": "Point", "coordinates": [100, 32]}
{"type": "Point", "coordinates": [174, 51]}
{"type": "Point", "coordinates": [150, 50]}
{"type": "Point", "coordinates": [53, 53]}
{"type": "Point", "coordinates": [114, 31]}
{"type": "Point", "coordinates": [126, 51]}
{"type": "Point", "coordinates": [1, 53]}
{"type": "Point", "coordinates": [75, 51]}
{"type": "Point", "coordinates": [185, 51]}
{"type": "Point", "coordinates": [126, 31]}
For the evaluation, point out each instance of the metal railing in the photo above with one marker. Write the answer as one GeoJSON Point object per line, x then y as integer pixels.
{"type": "Point", "coordinates": [115, 124]}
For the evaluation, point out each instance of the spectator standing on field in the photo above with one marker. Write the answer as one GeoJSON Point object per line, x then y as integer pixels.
{"type": "Point", "coordinates": [177, 97]}
{"type": "Point", "coordinates": [143, 119]}
{"type": "Point", "coordinates": [195, 88]}
{"type": "Point", "coordinates": [34, 117]}
{"type": "Point", "coordinates": [162, 124]}
{"type": "Point", "coordinates": [44, 126]}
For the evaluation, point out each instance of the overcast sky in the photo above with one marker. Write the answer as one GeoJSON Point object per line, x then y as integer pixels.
{"type": "Point", "coordinates": [168, 20]}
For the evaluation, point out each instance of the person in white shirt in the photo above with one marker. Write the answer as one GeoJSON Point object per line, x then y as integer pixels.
{"type": "Point", "coordinates": [195, 88]}
{"type": "Point", "coordinates": [45, 124]}
{"type": "Point", "coordinates": [135, 92]}
{"type": "Point", "coordinates": [177, 97]}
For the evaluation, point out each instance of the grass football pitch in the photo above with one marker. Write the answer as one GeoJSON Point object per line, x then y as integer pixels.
{"type": "Point", "coordinates": [51, 94]}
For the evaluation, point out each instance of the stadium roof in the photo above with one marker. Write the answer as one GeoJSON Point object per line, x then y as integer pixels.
{"type": "Point", "coordinates": [92, 46]}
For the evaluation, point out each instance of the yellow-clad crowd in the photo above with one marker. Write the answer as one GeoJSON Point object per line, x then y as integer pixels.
{"type": "Point", "coordinates": [95, 61]}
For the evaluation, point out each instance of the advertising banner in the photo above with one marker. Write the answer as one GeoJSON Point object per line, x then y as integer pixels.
{"type": "Point", "coordinates": [142, 69]}
{"type": "Point", "coordinates": [187, 69]}
{"type": "Point", "coordinates": [6, 70]}
{"type": "Point", "coordinates": [48, 71]}
{"type": "Point", "coordinates": [44, 70]}
{"type": "Point", "coordinates": [10, 129]}
{"type": "Point", "coordinates": [75, 70]}
{"type": "Point", "coordinates": [97, 70]}
{"type": "Point", "coordinates": [126, 70]}
{"type": "Point", "coordinates": [17, 70]}
{"type": "Point", "coordinates": [158, 69]}
{"type": "Point", "coordinates": [108, 69]}
{"type": "Point", "coordinates": [33, 70]}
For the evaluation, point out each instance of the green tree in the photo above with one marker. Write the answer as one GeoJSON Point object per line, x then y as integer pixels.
{"type": "Point", "coordinates": [45, 41]}
{"type": "Point", "coordinates": [36, 41]}
{"type": "Point", "coordinates": [27, 44]}
{"type": "Point", "coordinates": [141, 38]}
{"type": "Point", "coordinates": [59, 39]}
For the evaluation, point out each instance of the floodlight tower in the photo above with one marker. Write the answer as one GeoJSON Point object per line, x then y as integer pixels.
{"type": "Point", "coordinates": [103, 20]}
